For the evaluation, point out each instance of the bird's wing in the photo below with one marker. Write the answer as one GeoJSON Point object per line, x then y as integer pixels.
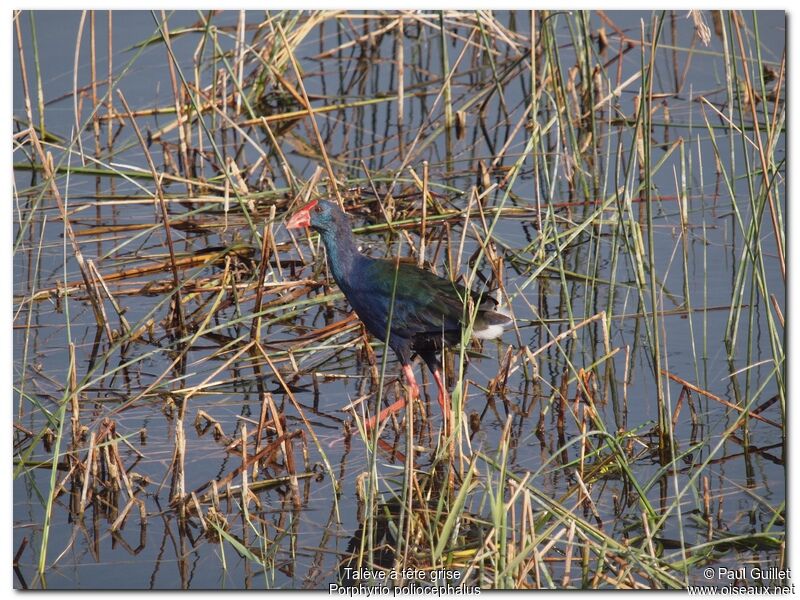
{"type": "Point", "coordinates": [423, 302]}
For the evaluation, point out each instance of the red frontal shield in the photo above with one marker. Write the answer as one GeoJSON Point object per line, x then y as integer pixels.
{"type": "Point", "coordinates": [302, 218]}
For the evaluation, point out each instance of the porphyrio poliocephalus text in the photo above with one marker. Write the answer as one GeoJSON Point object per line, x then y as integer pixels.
{"type": "Point", "coordinates": [428, 311]}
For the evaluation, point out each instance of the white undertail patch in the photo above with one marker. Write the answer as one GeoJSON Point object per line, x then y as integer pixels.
{"type": "Point", "coordinates": [490, 333]}
{"type": "Point", "coordinates": [495, 330]}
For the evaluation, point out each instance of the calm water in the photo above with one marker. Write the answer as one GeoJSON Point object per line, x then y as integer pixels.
{"type": "Point", "coordinates": [308, 542]}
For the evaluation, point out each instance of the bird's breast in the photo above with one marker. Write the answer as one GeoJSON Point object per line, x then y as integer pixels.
{"type": "Point", "coordinates": [372, 311]}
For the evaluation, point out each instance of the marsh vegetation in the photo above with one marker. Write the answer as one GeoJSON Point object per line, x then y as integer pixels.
{"type": "Point", "coordinates": [190, 386]}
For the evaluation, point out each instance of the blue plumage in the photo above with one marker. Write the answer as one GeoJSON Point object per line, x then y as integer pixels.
{"type": "Point", "coordinates": [427, 311]}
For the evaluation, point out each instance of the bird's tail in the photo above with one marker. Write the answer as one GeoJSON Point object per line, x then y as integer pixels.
{"type": "Point", "coordinates": [491, 322]}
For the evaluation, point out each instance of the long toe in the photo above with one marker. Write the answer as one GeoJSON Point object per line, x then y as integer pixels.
{"type": "Point", "coordinates": [386, 413]}
{"type": "Point", "coordinates": [443, 398]}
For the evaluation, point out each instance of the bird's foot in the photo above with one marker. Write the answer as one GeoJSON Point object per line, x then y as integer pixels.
{"type": "Point", "coordinates": [444, 400]}
{"type": "Point", "coordinates": [385, 414]}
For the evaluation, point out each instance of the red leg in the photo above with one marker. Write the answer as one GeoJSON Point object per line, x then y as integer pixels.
{"type": "Point", "coordinates": [444, 398]}
{"type": "Point", "coordinates": [411, 380]}
{"type": "Point", "coordinates": [399, 404]}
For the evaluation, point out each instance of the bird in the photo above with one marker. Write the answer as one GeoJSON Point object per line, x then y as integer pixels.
{"type": "Point", "coordinates": [421, 312]}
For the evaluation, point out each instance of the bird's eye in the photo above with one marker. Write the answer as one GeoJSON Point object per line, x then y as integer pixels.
{"type": "Point", "coordinates": [317, 209]}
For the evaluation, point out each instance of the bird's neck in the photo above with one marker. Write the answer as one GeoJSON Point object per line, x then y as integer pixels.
{"type": "Point", "coordinates": [342, 252]}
